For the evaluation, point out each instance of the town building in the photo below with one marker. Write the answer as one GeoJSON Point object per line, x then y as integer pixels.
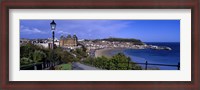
{"type": "Point", "coordinates": [69, 41]}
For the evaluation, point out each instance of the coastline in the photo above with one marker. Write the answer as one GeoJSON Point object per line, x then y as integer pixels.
{"type": "Point", "coordinates": [108, 52]}
{"type": "Point", "coordinates": [170, 57]}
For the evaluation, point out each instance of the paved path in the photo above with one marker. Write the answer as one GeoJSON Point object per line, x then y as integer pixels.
{"type": "Point", "coordinates": [79, 66]}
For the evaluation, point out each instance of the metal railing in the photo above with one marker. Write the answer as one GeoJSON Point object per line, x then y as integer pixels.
{"type": "Point", "coordinates": [146, 65]}
{"type": "Point", "coordinates": [39, 66]}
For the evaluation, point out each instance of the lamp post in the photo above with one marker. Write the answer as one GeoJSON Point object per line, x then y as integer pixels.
{"type": "Point", "coordinates": [53, 28]}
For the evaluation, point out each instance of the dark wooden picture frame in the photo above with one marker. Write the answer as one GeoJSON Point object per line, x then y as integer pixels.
{"type": "Point", "coordinates": [100, 4]}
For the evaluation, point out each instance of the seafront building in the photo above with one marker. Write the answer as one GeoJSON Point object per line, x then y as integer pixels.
{"type": "Point", "coordinates": [69, 41]}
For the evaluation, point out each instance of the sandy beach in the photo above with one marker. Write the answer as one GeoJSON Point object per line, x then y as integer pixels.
{"type": "Point", "coordinates": [108, 52]}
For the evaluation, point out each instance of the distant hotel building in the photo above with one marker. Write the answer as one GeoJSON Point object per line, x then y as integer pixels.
{"type": "Point", "coordinates": [69, 41]}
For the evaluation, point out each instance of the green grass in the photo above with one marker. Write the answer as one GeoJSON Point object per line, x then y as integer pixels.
{"type": "Point", "coordinates": [64, 67]}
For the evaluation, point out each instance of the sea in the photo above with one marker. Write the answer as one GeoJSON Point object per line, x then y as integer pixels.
{"type": "Point", "coordinates": [169, 57]}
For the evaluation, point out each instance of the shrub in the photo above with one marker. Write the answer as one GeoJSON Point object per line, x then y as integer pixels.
{"type": "Point", "coordinates": [25, 61]}
{"type": "Point", "coordinates": [38, 56]}
{"type": "Point", "coordinates": [117, 62]}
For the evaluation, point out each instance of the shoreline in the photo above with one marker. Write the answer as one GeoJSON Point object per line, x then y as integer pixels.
{"type": "Point", "coordinates": [108, 52]}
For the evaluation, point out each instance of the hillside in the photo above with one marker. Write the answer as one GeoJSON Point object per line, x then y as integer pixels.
{"type": "Point", "coordinates": [132, 40]}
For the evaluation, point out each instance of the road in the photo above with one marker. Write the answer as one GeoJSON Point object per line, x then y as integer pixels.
{"type": "Point", "coordinates": [79, 66]}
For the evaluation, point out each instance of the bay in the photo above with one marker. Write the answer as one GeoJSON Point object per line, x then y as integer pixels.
{"type": "Point", "coordinates": [171, 57]}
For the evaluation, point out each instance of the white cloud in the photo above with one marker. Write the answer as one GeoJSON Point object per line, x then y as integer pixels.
{"type": "Point", "coordinates": [96, 27]}
{"type": "Point", "coordinates": [28, 30]}
{"type": "Point", "coordinates": [81, 28]}
{"type": "Point", "coordinates": [63, 32]}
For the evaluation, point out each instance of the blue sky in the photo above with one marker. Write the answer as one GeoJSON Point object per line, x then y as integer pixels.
{"type": "Point", "coordinates": [145, 30]}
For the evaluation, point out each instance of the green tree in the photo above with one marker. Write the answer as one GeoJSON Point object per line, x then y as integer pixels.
{"type": "Point", "coordinates": [116, 62]}
{"type": "Point", "coordinates": [58, 53]}
{"type": "Point", "coordinates": [89, 60]}
{"type": "Point", "coordinates": [25, 61]}
{"type": "Point", "coordinates": [50, 56]}
{"type": "Point", "coordinates": [80, 53]}
{"type": "Point", "coordinates": [28, 49]}
{"type": "Point", "coordinates": [38, 56]}
{"type": "Point", "coordinates": [67, 57]}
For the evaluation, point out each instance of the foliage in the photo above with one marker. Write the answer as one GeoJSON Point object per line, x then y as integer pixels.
{"type": "Point", "coordinates": [27, 50]}
{"type": "Point", "coordinates": [25, 61]}
{"type": "Point", "coordinates": [79, 53]}
{"type": "Point", "coordinates": [117, 62]}
{"type": "Point", "coordinates": [50, 55]}
{"type": "Point", "coordinates": [66, 57]}
{"type": "Point", "coordinates": [31, 53]}
{"type": "Point", "coordinates": [136, 41]}
{"type": "Point", "coordinates": [122, 39]}
{"type": "Point", "coordinates": [38, 56]}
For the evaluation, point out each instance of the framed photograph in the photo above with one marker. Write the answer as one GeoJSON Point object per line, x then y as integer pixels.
{"type": "Point", "coordinates": [144, 45]}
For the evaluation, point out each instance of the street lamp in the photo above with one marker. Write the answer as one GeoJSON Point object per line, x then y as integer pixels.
{"type": "Point", "coordinates": [53, 28]}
